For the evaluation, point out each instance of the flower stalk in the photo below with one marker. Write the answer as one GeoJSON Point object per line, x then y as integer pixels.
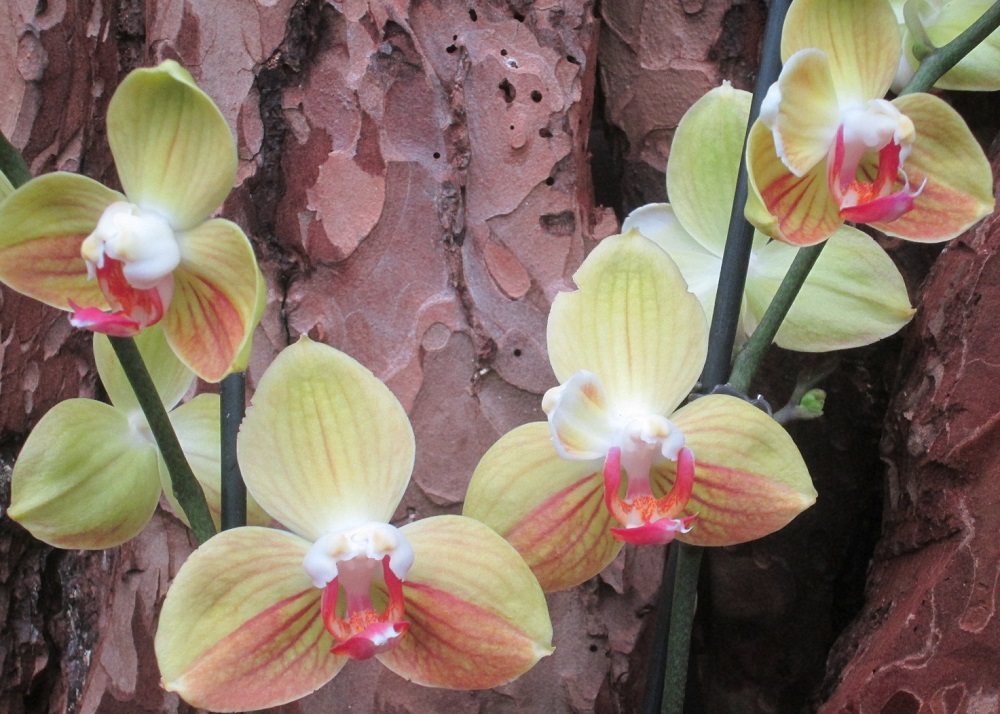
{"type": "Point", "coordinates": [936, 64]}
{"type": "Point", "coordinates": [186, 488]}
{"type": "Point", "coordinates": [234, 490]}
{"type": "Point", "coordinates": [12, 163]}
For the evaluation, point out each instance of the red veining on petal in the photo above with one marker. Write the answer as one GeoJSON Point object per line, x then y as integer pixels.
{"type": "Point", "coordinates": [132, 309]}
{"type": "Point", "coordinates": [364, 632]}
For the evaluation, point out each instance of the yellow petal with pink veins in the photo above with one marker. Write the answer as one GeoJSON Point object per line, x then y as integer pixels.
{"type": "Point", "coordinates": [240, 628]}
{"type": "Point", "coordinates": [550, 509]}
{"type": "Point", "coordinates": [215, 296]}
{"type": "Point", "coordinates": [477, 616]}
{"type": "Point", "coordinates": [804, 211]}
{"type": "Point", "coordinates": [860, 37]}
{"type": "Point", "coordinates": [959, 188]}
{"type": "Point", "coordinates": [42, 226]}
{"type": "Point", "coordinates": [750, 479]}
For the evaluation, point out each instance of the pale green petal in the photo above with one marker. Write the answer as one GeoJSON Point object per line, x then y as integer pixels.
{"type": "Point", "coordinates": [477, 615]}
{"type": "Point", "coordinates": [197, 425]}
{"type": "Point", "coordinates": [171, 377]}
{"type": "Point", "coordinates": [550, 509]}
{"type": "Point", "coordinates": [699, 266]}
{"type": "Point", "coordinates": [854, 294]}
{"type": "Point", "coordinates": [860, 37]}
{"type": "Point", "coordinates": [750, 479]}
{"type": "Point", "coordinates": [85, 478]}
{"type": "Point", "coordinates": [704, 162]}
{"type": "Point", "coordinates": [241, 628]}
{"type": "Point", "coordinates": [6, 187]}
{"type": "Point", "coordinates": [42, 226]}
{"type": "Point", "coordinates": [173, 148]}
{"type": "Point", "coordinates": [633, 323]}
{"type": "Point", "coordinates": [325, 445]}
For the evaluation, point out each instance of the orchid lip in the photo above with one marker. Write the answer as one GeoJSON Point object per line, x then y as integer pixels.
{"type": "Point", "coordinates": [142, 240]}
{"type": "Point", "coordinates": [647, 519]}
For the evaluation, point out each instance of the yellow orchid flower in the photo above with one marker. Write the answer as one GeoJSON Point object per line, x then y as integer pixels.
{"type": "Point", "coordinates": [854, 294]}
{"type": "Point", "coordinates": [258, 617]}
{"type": "Point", "coordinates": [628, 346]}
{"type": "Point", "coordinates": [90, 475]}
{"type": "Point", "coordinates": [829, 148]}
{"type": "Point", "coordinates": [941, 21]}
{"type": "Point", "coordinates": [156, 255]}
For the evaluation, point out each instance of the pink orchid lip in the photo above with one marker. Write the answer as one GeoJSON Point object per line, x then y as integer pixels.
{"type": "Point", "coordinates": [133, 309]}
{"type": "Point", "coordinates": [874, 202]}
{"type": "Point", "coordinates": [364, 632]}
{"type": "Point", "coordinates": [657, 517]}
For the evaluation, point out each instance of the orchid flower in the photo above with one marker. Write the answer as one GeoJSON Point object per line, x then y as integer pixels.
{"type": "Point", "coordinates": [854, 294]}
{"type": "Point", "coordinates": [259, 617]}
{"type": "Point", "coordinates": [90, 475]}
{"type": "Point", "coordinates": [628, 346]}
{"type": "Point", "coordinates": [151, 255]}
{"type": "Point", "coordinates": [829, 148]}
{"type": "Point", "coordinates": [938, 22]}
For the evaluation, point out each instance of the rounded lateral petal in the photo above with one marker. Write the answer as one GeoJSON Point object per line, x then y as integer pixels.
{"type": "Point", "coordinates": [197, 425]}
{"type": "Point", "coordinates": [860, 37]}
{"type": "Point", "coordinates": [550, 509]}
{"type": "Point", "coordinates": [85, 478]}
{"type": "Point", "coordinates": [173, 148]}
{"type": "Point", "coordinates": [325, 445]}
{"type": "Point", "coordinates": [749, 478]}
{"type": "Point", "coordinates": [802, 206]}
{"type": "Point", "coordinates": [240, 628]}
{"type": "Point", "coordinates": [704, 161]}
{"type": "Point", "coordinates": [478, 618]}
{"type": "Point", "coordinates": [959, 189]}
{"type": "Point", "coordinates": [171, 377]}
{"type": "Point", "coordinates": [854, 294]}
{"type": "Point", "coordinates": [42, 226]}
{"type": "Point", "coordinates": [214, 308]}
{"type": "Point", "coordinates": [805, 123]}
{"type": "Point", "coordinates": [633, 323]}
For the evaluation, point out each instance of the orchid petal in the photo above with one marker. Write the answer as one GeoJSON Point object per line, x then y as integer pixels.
{"type": "Point", "coordinates": [42, 226]}
{"type": "Point", "coordinates": [171, 378]}
{"type": "Point", "coordinates": [582, 427]}
{"type": "Point", "coordinates": [478, 618]}
{"type": "Point", "coordinates": [6, 187]}
{"type": "Point", "coordinates": [173, 148]}
{"type": "Point", "coordinates": [805, 211]}
{"type": "Point", "coordinates": [325, 445]}
{"type": "Point", "coordinates": [853, 296]}
{"type": "Point", "coordinates": [750, 479]}
{"type": "Point", "coordinates": [550, 509]}
{"type": "Point", "coordinates": [85, 478]}
{"type": "Point", "coordinates": [805, 120]}
{"type": "Point", "coordinates": [704, 162]}
{"type": "Point", "coordinates": [197, 425]}
{"type": "Point", "coordinates": [959, 189]}
{"type": "Point", "coordinates": [216, 289]}
{"type": "Point", "coordinates": [860, 37]}
{"type": "Point", "coordinates": [633, 323]}
{"type": "Point", "coordinates": [240, 628]}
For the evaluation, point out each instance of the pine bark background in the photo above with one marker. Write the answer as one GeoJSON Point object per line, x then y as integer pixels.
{"type": "Point", "coordinates": [419, 178]}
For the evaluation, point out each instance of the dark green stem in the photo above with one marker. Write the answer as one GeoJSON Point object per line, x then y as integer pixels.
{"type": "Point", "coordinates": [679, 638]}
{"type": "Point", "coordinates": [748, 360]}
{"type": "Point", "coordinates": [234, 491]}
{"type": "Point", "coordinates": [12, 163]}
{"type": "Point", "coordinates": [938, 62]}
{"type": "Point", "coordinates": [187, 490]}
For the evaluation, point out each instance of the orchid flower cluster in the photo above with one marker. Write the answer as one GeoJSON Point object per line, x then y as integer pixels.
{"type": "Point", "coordinates": [264, 614]}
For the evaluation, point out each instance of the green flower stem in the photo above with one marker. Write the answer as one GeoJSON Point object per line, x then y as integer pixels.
{"type": "Point", "coordinates": [12, 163]}
{"type": "Point", "coordinates": [938, 62]}
{"type": "Point", "coordinates": [679, 638]}
{"type": "Point", "coordinates": [748, 360]}
{"type": "Point", "coordinates": [234, 491]}
{"type": "Point", "coordinates": [187, 490]}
